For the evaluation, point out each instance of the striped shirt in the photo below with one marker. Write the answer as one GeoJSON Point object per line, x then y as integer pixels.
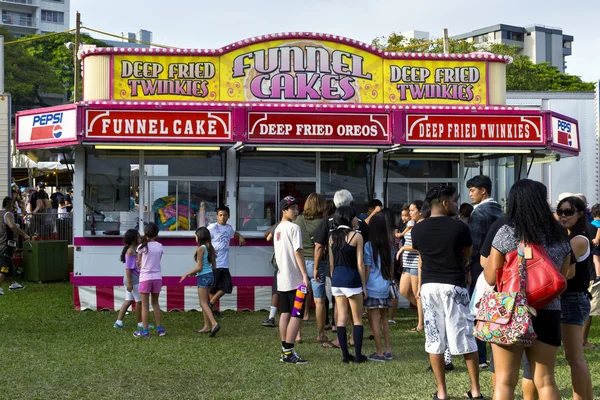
{"type": "Point", "coordinates": [410, 259]}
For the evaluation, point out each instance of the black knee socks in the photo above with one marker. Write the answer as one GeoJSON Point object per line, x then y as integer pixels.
{"type": "Point", "coordinates": [357, 334]}
{"type": "Point", "coordinates": [343, 339]}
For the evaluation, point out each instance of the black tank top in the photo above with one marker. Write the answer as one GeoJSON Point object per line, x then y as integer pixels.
{"type": "Point", "coordinates": [581, 281]}
{"type": "Point", "coordinates": [345, 256]}
{"type": "Point", "coordinates": [6, 233]}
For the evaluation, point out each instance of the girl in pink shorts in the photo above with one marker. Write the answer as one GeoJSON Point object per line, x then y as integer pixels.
{"type": "Point", "coordinates": [149, 255]}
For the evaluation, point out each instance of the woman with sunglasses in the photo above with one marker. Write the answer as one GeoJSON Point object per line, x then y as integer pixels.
{"type": "Point", "coordinates": [529, 219]}
{"type": "Point", "coordinates": [574, 302]}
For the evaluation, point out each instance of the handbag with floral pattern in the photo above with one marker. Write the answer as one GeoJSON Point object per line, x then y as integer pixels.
{"type": "Point", "coordinates": [505, 318]}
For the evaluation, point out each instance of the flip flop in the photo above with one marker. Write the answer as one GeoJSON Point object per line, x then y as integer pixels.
{"type": "Point", "coordinates": [330, 345]}
{"type": "Point", "coordinates": [298, 341]}
{"type": "Point", "coordinates": [321, 341]}
{"type": "Point", "coordinates": [435, 397]}
{"type": "Point", "coordinates": [214, 330]}
{"type": "Point", "coordinates": [590, 346]}
{"type": "Point", "coordinates": [415, 330]}
{"type": "Point", "coordinates": [469, 395]}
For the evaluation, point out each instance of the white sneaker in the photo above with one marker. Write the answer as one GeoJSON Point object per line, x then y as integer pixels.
{"type": "Point", "coordinates": [16, 286]}
{"type": "Point", "coordinates": [1, 292]}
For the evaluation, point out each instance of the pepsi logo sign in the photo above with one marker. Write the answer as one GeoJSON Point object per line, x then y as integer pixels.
{"type": "Point", "coordinates": [57, 131]}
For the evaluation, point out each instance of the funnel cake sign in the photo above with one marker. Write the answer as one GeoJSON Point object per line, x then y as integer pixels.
{"type": "Point", "coordinates": [284, 68]}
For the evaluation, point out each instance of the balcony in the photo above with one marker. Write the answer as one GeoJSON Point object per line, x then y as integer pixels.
{"type": "Point", "coordinates": [17, 20]}
{"type": "Point", "coordinates": [27, 3]}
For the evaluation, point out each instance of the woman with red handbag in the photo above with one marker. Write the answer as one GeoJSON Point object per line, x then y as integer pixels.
{"type": "Point", "coordinates": [529, 220]}
{"type": "Point", "coordinates": [574, 301]}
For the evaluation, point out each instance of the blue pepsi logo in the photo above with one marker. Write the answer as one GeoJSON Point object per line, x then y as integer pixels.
{"type": "Point", "coordinates": [57, 131]}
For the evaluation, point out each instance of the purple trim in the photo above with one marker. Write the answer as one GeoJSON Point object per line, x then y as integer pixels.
{"type": "Point", "coordinates": [559, 147]}
{"type": "Point", "coordinates": [79, 280]}
{"type": "Point", "coordinates": [47, 145]}
{"type": "Point", "coordinates": [239, 125]}
{"type": "Point", "coordinates": [103, 241]}
{"type": "Point", "coordinates": [47, 110]}
{"type": "Point", "coordinates": [282, 106]}
{"type": "Point", "coordinates": [295, 36]}
{"type": "Point", "coordinates": [111, 78]}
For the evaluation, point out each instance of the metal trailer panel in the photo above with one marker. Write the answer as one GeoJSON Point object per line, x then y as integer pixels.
{"type": "Point", "coordinates": [571, 174]}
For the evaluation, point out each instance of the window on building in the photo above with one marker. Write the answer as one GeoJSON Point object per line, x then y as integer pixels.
{"type": "Point", "coordinates": [264, 179]}
{"type": "Point", "coordinates": [567, 44]}
{"type": "Point", "coordinates": [516, 36]}
{"type": "Point", "coordinates": [480, 39]}
{"type": "Point", "coordinates": [409, 180]}
{"type": "Point", "coordinates": [53, 16]}
{"type": "Point", "coordinates": [17, 18]}
{"type": "Point", "coordinates": [182, 189]}
{"type": "Point", "coordinates": [111, 183]}
{"type": "Point", "coordinates": [351, 171]}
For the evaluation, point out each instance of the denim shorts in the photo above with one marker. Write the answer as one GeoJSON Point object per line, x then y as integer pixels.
{"type": "Point", "coordinates": [412, 271]}
{"type": "Point", "coordinates": [205, 281]}
{"type": "Point", "coordinates": [318, 288]}
{"type": "Point", "coordinates": [575, 308]}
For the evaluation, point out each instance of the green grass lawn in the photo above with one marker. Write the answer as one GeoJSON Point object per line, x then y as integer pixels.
{"type": "Point", "coordinates": [51, 351]}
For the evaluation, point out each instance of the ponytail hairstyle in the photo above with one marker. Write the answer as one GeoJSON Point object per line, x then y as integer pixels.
{"type": "Point", "coordinates": [342, 223]}
{"type": "Point", "coordinates": [203, 236]}
{"type": "Point", "coordinates": [381, 246]}
{"type": "Point", "coordinates": [131, 237]}
{"type": "Point", "coordinates": [150, 232]}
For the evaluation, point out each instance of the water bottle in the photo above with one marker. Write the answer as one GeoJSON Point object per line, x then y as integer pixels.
{"type": "Point", "coordinates": [300, 295]}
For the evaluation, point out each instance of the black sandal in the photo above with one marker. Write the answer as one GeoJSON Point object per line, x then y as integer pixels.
{"type": "Point", "coordinates": [469, 395]}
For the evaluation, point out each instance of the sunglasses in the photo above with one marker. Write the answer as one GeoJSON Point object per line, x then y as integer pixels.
{"type": "Point", "coordinates": [567, 213]}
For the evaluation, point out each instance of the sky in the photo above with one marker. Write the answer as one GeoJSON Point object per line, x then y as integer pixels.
{"type": "Point", "coordinates": [214, 24]}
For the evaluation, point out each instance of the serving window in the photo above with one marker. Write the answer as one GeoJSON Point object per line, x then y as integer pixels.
{"type": "Point", "coordinates": [110, 194]}
{"type": "Point", "coordinates": [182, 189]}
{"type": "Point", "coordinates": [407, 180]}
{"type": "Point", "coordinates": [351, 171]}
{"type": "Point", "coordinates": [264, 180]}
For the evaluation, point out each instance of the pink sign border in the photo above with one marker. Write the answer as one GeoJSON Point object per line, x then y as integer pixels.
{"type": "Point", "coordinates": [467, 143]}
{"type": "Point", "coordinates": [316, 142]}
{"type": "Point", "coordinates": [126, 139]}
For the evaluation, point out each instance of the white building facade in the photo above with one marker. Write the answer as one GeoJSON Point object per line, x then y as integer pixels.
{"type": "Point", "coordinates": [540, 43]}
{"type": "Point", "coordinates": [27, 17]}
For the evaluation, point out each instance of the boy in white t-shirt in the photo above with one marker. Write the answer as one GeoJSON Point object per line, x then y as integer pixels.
{"type": "Point", "coordinates": [292, 273]}
{"type": "Point", "coordinates": [220, 235]}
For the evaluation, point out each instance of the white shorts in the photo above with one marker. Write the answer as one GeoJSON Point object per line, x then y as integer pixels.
{"type": "Point", "coordinates": [134, 295]}
{"type": "Point", "coordinates": [448, 322]}
{"type": "Point", "coordinates": [342, 291]}
{"type": "Point", "coordinates": [328, 289]}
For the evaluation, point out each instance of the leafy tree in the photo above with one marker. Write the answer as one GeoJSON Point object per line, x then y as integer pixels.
{"type": "Point", "coordinates": [25, 76]}
{"type": "Point", "coordinates": [52, 51]}
{"type": "Point", "coordinates": [521, 74]}
{"type": "Point", "coordinates": [39, 67]}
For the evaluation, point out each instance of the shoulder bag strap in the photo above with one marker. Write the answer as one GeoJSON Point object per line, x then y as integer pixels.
{"type": "Point", "coordinates": [522, 267]}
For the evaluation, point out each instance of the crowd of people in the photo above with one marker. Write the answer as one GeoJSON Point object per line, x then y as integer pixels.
{"type": "Point", "coordinates": [356, 266]}
{"type": "Point", "coordinates": [26, 216]}
{"type": "Point", "coordinates": [438, 257]}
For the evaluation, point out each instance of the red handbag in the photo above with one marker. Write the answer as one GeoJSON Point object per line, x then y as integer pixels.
{"type": "Point", "coordinates": [544, 281]}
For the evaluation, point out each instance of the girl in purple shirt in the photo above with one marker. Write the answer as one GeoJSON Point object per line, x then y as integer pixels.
{"type": "Point", "coordinates": [131, 280]}
{"type": "Point", "coordinates": [149, 255]}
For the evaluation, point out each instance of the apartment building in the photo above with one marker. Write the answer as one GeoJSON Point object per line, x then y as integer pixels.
{"type": "Point", "coordinates": [27, 17]}
{"type": "Point", "coordinates": [539, 42]}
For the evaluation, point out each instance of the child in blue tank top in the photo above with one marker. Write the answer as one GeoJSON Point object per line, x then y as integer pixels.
{"type": "Point", "coordinates": [205, 258]}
